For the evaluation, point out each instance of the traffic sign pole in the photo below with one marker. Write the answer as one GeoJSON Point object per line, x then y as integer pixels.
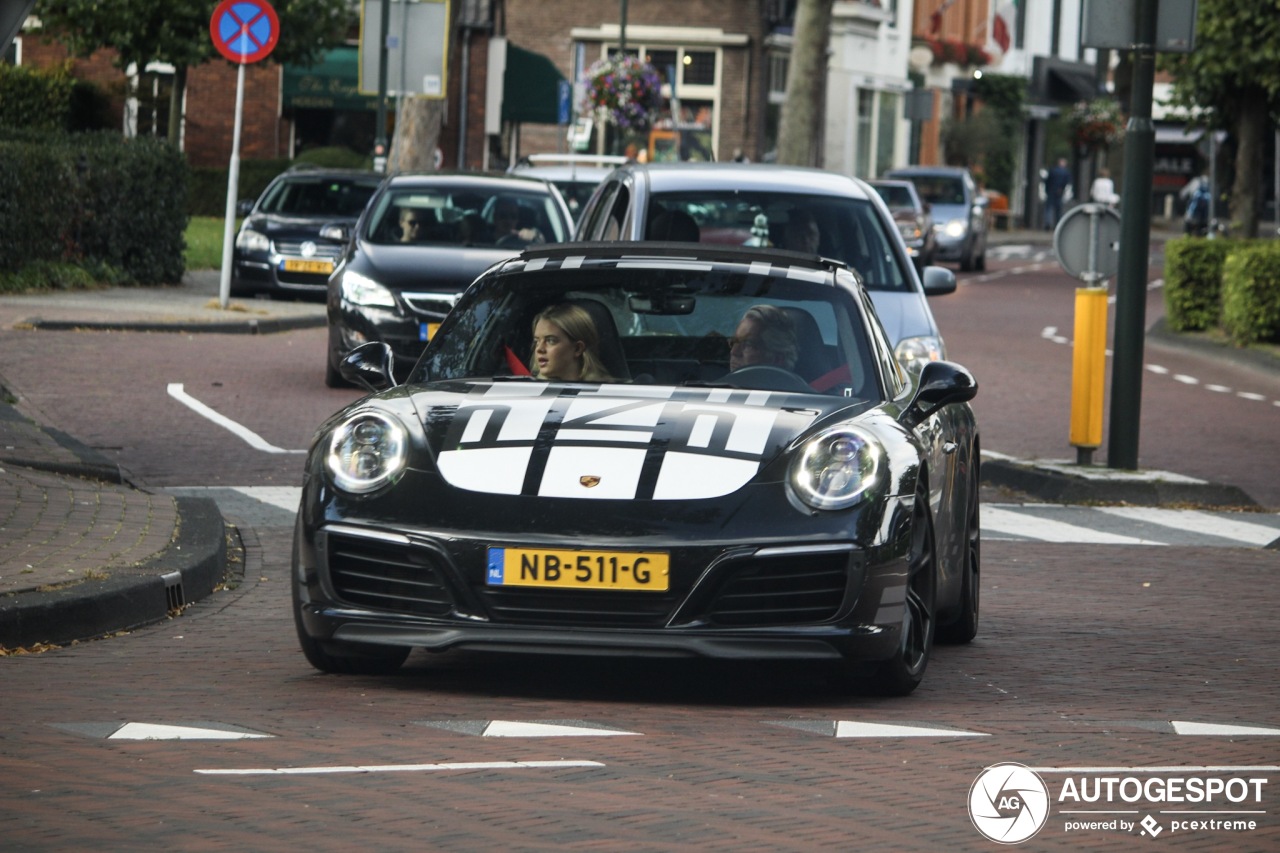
{"type": "Point", "coordinates": [243, 31]}
{"type": "Point", "coordinates": [233, 184]}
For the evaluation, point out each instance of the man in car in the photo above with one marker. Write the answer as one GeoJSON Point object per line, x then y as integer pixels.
{"type": "Point", "coordinates": [413, 225]}
{"type": "Point", "coordinates": [802, 234]}
{"type": "Point", "coordinates": [507, 232]}
{"type": "Point", "coordinates": [766, 335]}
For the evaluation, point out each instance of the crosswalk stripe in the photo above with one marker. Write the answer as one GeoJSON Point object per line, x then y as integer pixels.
{"type": "Point", "coordinates": [1199, 522]}
{"type": "Point", "coordinates": [996, 519]}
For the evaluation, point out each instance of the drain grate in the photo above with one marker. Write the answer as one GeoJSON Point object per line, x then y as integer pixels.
{"type": "Point", "coordinates": [173, 595]}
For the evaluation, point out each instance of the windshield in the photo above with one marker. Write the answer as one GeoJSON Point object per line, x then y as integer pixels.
{"type": "Point", "coordinates": [939, 189]}
{"type": "Point", "coordinates": [465, 216]}
{"type": "Point", "coordinates": [318, 196]}
{"type": "Point", "coordinates": [739, 326]}
{"type": "Point", "coordinates": [895, 195]}
{"type": "Point", "coordinates": [845, 229]}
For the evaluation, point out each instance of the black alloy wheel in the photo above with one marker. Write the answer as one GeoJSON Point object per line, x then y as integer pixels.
{"type": "Point", "coordinates": [965, 626]}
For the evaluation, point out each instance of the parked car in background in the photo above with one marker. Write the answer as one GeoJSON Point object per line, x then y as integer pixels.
{"type": "Point", "coordinates": [961, 219]}
{"type": "Point", "coordinates": [913, 217]}
{"type": "Point", "coordinates": [662, 491]}
{"type": "Point", "coordinates": [279, 249]}
{"type": "Point", "coordinates": [575, 175]}
{"type": "Point", "coordinates": [422, 239]}
{"type": "Point", "coordinates": [764, 206]}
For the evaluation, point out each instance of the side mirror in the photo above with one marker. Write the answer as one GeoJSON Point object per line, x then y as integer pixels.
{"type": "Point", "coordinates": [937, 281]}
{"type": "Point", "coordinates": [941, 383]}
{"type": "Point", "coordinates": [244, 207]}
{"type": "Point", "coordinates": [370, 365]}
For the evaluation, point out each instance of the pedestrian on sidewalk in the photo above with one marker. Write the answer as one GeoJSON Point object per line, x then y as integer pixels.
{"type": "Point", "coordinates": [1103, 190]}
{"type": "Point", "coordinates": [1055, 188]}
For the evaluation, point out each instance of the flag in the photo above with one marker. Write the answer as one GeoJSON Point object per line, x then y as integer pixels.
{"type": "Point", "coordinates": [1003, 26]}
{"type": "Point", "coordinates": [935, 20]}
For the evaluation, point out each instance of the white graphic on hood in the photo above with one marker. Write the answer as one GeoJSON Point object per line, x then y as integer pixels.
{"type": "Point", "coordinates": [609, 444]}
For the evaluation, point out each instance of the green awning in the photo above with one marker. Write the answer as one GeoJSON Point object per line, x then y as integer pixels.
{"type": "Point", "coordinates": [530, 88]}
{"type": "Point", "coordinates": [332, 84]}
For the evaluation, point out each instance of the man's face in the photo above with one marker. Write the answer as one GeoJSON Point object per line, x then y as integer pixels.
{"type": "Point", "coordinates": [746, 347]}
{"type": "Point", "coordinates": [505, 218]}
{"type": "Point", "coordinates": [411, 225]}
{"type": "Point", "coordinates": [803, 237]}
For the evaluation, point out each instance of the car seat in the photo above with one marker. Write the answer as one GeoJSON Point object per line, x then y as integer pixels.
{"type": "Point", "coordinates": [611, 353]}
{"type": "Point", "coordinates": [674, 225]}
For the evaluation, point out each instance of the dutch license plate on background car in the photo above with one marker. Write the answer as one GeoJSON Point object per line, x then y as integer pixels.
{"type": "Point", "coordinates": [565, 569]}
{"type": "Point", "coordinates": [309, 266]}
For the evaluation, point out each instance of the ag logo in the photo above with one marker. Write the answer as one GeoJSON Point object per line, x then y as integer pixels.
{"type": "Point", "coordinates": [1008, 803]}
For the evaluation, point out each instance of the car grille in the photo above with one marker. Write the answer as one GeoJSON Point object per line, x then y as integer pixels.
{"type": "Point", "coordinates": [323, 251]}
{"type": "Point", "coordinates": [784, 590]}
{"type": "Point", "coordinates": [388, 576]}
{"type": "Point", "coordinates": [559, 607]}
{"type": "Point", "coordinates": [433, 305]}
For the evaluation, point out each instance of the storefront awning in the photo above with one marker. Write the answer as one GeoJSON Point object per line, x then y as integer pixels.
{"type": "Point", "coordinates": [1069, 84]}
{"type": "Point", "coordinates": [530, 88]}
{"type": "Point", "coordinates": [332, 84]}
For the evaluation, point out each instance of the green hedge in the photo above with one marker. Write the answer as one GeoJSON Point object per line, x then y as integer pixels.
{"type": "Point", "coordinates": [1193, 282]}
{"type": "Point", "coordinates": [93, 200]}
{"type": "Point", "coordinates": [1251, 293]}
{"type": "Point", "coordinates": [39, 100]}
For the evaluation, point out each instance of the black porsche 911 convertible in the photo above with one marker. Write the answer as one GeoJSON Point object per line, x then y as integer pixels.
{"type": "Point", "coordinates": [647, 449]}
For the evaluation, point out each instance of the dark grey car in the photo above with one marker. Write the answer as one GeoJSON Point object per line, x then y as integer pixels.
{"type": "Point", "coordinates": [424, 238]}
{"type": "Point", "coordinates": [279, 250]}
{"type": "Point", "coordinates": [807, 210]}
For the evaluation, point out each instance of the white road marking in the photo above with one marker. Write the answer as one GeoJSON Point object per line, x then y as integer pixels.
{"type": "Point", "coordinates": [400, 768]}
{"type": "Point", "coordinates": [155, 731]}
{"type": "Point", "coordinates": [1197, 522]}
{"type": "Point", "coordinates": [252, 438]}
{"type": "Point", "coordinates": [1220, 729]}
{"type": "Point", "coordinates": [284, 497]}
{"type": "Point", "coordinates": [851, 728]}
{"type": "Point", "coordinates": [1045, 530]}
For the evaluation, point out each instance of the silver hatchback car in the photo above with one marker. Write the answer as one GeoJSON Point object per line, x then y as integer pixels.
{"type": "Point", "coordinates": [811, 211]}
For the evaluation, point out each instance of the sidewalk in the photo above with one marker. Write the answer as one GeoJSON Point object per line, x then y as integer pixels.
{"type": "Point", "coordinates": [83, 554]}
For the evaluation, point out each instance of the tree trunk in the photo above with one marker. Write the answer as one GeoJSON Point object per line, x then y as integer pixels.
{"type": "Point", "coordinates": [800, 127]}
{"type": "Point", "coordinates": [176, 99]}
{"type": "Point", "coordinates": [1246, 192]}
{"type": "Point", "coordinates": [417, 135]}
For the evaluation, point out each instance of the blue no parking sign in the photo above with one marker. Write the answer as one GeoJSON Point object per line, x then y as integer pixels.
{"type": "Point", "coordinates": [244, 31]}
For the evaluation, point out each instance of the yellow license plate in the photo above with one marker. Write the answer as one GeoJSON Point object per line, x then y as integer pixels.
{"type": "Point", "coordinates": [325, 267]}
{"type": "Point", "coordinates": [639, 570]}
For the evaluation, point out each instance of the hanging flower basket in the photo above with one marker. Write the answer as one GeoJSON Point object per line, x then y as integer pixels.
{"type": "Point", "coordinates": [1096, 124]}
{"type": "Point", "coordinates": [623, 91]}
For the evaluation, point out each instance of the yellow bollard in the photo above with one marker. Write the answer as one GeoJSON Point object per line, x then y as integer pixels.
{"type": "Point", "coordinates": [1088, 369]}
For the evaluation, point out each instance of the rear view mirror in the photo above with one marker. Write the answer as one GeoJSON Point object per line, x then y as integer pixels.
{"type": "Point", "coordinates": [661, 302]}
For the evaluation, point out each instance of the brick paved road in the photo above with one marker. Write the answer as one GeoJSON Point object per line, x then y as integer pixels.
{"type": "Point", "coordinates": [1083, 660]}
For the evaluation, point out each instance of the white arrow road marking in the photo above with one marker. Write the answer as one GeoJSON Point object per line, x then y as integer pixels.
{"type": "Point", "coordinates": [255, 441]}
{"type": "Point", "coordinates": [402, 768]}
{"type": "Point", "coordinates": [1220, 729]}
{"type": "Point", "coordinates": [999, 520]}
{"type": "Point", "coordinates": [1198, 522]}
{"type": "Point", "coordinates": [510, 728]}
{"type": "Point", "coordinates": [851, 728]}
{"type": "Point", "coordinates": [155, 731]}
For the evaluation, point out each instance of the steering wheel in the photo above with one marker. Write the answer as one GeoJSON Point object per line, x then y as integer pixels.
{"type": "Point", "coordinates": [767, 377]}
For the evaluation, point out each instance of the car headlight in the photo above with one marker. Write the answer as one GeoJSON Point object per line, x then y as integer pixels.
{"type": "Point", "coordinates": [361, 290]}
{"type": "Point", "coordinates": [366, 452]}
{"type": "Point", "coordinates": [914, 353]}
{"type": "Point", "coordinates": [909, 231]}
{"type": "Point", "coordinates": [836, 468]}
{"type": "Point", "coordinates": [249, 240]}
{"type": "Point", "coordinates": [955, 227]}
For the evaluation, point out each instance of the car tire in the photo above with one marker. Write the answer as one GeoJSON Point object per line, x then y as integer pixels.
{"type": "Point", "coordinates": [967, 260]}
{"type": "Point", "coordinates": [981, 263]}
{"type": "Point", "coordinates": [965, 626]}
{"type": "Point", "coordinates": [339, 657]}
{"type": "Point", "coordinates": [902, 673]}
